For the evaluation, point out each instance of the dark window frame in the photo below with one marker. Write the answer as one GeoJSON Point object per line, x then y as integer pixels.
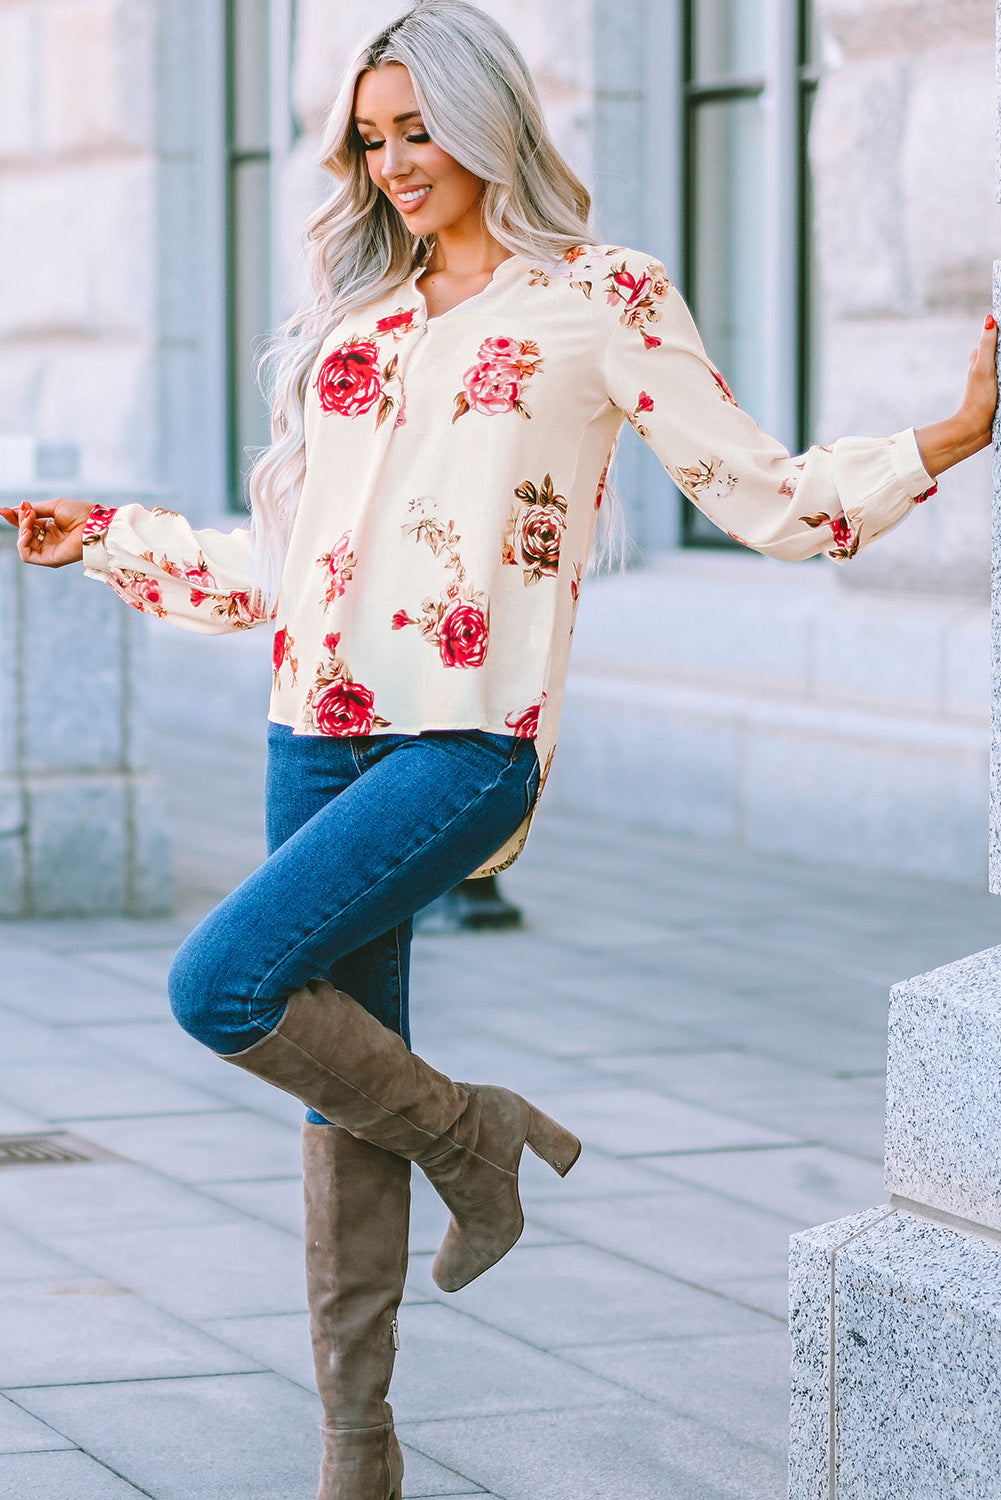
{"type": "Point", "coordinates": [696, 530]}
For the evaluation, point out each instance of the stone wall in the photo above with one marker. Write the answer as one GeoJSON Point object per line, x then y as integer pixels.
{"type": "Point", "coordinates": [105, 305]}
{"type": "Point", "coordinates": [902, 151]}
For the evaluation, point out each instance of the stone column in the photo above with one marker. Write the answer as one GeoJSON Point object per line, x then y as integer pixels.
{"type": "Point", "coordinates": [82, 827]}
{"type": "Point", "coordinates": [895, 1313]}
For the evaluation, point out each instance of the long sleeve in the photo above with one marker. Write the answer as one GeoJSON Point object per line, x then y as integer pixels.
{"type": "Point", "coordinates": [158, 563]}
{"type": "Point", "coordinates": [834, 499]}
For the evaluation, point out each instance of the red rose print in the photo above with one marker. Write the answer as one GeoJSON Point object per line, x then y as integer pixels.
{"type": "Point", "coordinates": [645, 403]}
{"type": "Point", "coordinates": [283, 650]}
{"type": "Point", "coordinates": [97, 523]}
{"type": "Point", "coordinates": [493, 387]}
{"type": "Point", "coordinates": [398, 323]}
{"type": "Point", "coordinates": [841, 531]}
{"type": "Point", "coordinates": [278, 649]}
{"type": "Point", "coordinates": [462, 635]}
{"type": "Point", "coordinates": [500, 349]}
{"type": "Point", "coordinates": [535, 530]}
{"type": "Point", "coordinates": [526, 723]}
{"type": "Point", "coordinates": [345, 708]}
{"type": "Point", "coordinates": [348, 381]}
{"type": "Point", "coordinates": [137, 589]}
{"type": "Point", "coordinates": [539, 531]}
{"type": "Point", "coordinates": [920, 499]}
{"type": "Point", "coordinates": [337, 705]}
{"type": "Point", "coordinates": [724, 389]}
{"type": "Point", "coordinates": [401, 618]}
{"type": "Point", "coordinates": [639, 298]}
{"type": "Point", "coordinates": [496, 382]}
{"type": "Point", "coordinates": [339, 564]}
{"type": "Point", "coordinates": [600, 492]}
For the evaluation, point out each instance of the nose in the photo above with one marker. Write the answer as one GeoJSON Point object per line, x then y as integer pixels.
{"type": "Point", "coordinates": [396, 161]}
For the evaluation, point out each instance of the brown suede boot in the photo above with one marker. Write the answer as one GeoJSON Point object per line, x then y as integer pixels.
{"type": "Point", "coordinates": [357, 1227]}
{"type": "Point", "coordinates": [468, 1138]}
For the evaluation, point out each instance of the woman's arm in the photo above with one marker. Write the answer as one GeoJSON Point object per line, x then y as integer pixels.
{"type": "Point", "coordinates": [154, 559]}
{"type": "Point", "coordinates": [943, 444]}
{"type": "Point", "coordinates": [835, 498]}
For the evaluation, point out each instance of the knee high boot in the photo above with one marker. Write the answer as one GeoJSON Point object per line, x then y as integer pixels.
{"type": "Point", "coordinates": [467, 1138]}
{"type": "Point", "coordinates": [357, 1226]}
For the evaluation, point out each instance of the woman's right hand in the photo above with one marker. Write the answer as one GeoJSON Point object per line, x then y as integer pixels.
{"type": "Point", "coordinates": [51, 532]}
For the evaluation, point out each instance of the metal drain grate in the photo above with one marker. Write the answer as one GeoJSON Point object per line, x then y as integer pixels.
{"type": "Point", "coordinates": [50, 1149]}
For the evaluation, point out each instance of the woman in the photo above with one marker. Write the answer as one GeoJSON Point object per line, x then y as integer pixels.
{"type": "Point", "coordinates": [444, 415]}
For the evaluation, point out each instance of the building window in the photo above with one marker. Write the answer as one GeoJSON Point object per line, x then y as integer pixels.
{"type": "Point", "coordinates": [749, 83]}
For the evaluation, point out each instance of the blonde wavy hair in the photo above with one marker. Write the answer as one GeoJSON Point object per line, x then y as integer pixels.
{"type": "Point", "coordinates": [478, 103]}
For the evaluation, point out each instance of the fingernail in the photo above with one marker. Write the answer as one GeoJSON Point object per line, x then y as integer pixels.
{"type": "Point", "coordinates": [989, 321]}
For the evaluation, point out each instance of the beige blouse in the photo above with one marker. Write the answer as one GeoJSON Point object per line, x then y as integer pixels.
{"type": "Point", "coordinates": [454, 470]}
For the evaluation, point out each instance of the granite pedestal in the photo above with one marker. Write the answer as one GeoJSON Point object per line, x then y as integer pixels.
{"type": "Point", "coordinates": [895, 1313]}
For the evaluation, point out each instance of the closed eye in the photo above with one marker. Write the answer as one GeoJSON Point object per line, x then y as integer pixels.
{"type": "Point", "coordinates": [421, 138]}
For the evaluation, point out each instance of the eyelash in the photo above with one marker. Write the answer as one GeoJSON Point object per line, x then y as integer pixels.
{"type": "Point", "coordinates": [421, 138]}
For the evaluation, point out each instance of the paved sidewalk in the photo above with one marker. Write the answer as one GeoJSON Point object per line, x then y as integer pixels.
{"type": "Point", "coordinates": [711, 1023]}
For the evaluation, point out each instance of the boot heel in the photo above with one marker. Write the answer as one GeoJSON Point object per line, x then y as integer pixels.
{"type": "Point", "coordinates": [554, 1143]}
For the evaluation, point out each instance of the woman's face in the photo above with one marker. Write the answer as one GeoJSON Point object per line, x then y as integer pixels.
{"type": "Point", "coordinates": [427, 186]}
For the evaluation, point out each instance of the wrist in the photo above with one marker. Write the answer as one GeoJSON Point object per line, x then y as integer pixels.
{"type": "Point", "coordinates": [943, 444]}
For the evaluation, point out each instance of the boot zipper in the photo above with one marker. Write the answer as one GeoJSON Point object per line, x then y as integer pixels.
{"type": "Point", "coordinates": [395, 1329]}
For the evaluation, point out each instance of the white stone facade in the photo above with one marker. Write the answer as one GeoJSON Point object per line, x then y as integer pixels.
{"type": "Point", "coordinates": [112, 338]}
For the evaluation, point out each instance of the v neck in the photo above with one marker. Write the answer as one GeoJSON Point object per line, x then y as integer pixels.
{"type": "Point", "coordinates": [501, 276]}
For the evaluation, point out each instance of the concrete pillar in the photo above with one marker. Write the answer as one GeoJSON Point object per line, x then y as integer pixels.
{"type": "Point", "coordinates": [82, 828]}
{"type": "Point", "coordinates": [895, 1313]}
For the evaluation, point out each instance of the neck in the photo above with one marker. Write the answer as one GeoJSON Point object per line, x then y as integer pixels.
{"type": "Point", "coordinates": [465, 254]}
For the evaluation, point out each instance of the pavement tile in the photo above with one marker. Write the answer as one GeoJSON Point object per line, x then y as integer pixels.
{"type": "Point", "coordinates": [23, 1259]}
{"type": "Point", "coordinates": [767, 1294]}
{"type": "Point", "coordinates": [637, 1122]}
{"type": "Point", "coordinates": [98, 1087]}
{"type": "Point", "coordinates": [54, 988]}
{"type": "Point", "coordinates": [233, 1269]}
{"type": "Point", "coordinates": [475, 1059]}
{"type": "Point", "coordinates": [277, 1200]}
{"type": "Point", "coordinates": [22, 1433]}
{"type": "Point", "coordinates": [738, 1384]}
{"type": "Point", "coordinates": [140, 965]}
{"type": "Point", "coordinates": [221, 1146]}
{"type": "Point", "coordinates": [695, 1235]}
{"type": "Point", "coordinates": [59, 1332]}
{"type": "Point", "coordinates": [276, 1341]}
{"type": "Point", "coordinates": [451, 1363]}
{"type": "Point", "coordinates": [557, 1296]}
{"type": "Point", "coordinates": [802, 1182]}
{"type": "Point", "coordinates": [563, 1028]}
{"type": "Point", "coordinates": [423, 1479]}
{"type": "Point", "coordinates": [227, 1437]}
{"type": "Point", "coordinates": [14, 1121]}
{"type": "Point", "coordinates": [165, 1048]}
{"type": "Point", "coordinates": [61, 1476]}
{"type": "Point", "coordinates": [633, 1449]}
{"type": "Point", "coordinates": [844, 1112]}
{"type": "Point", "coordinates": [51, 1203]}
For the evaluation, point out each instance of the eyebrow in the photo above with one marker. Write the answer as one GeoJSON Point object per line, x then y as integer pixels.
{"type": "Point", "coordinates": [414, 114]}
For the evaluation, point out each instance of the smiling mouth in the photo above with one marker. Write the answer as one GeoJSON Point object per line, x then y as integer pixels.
{"type": "Point", "coordinates": [412, 198]}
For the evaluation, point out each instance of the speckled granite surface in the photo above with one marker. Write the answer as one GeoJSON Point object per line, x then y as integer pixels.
{"type": "Point", "coordinates": [943, 1089]}
{"type": "Point", "coordinates": [809, 1328]}
{"type": "Point", "coordinates": [994, 843]}
{"type": "Point", "coordinates": [917, 1361]}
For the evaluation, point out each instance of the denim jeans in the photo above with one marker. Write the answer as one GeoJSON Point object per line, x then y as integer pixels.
{"type": "Point", "coordinates": [362, 832]}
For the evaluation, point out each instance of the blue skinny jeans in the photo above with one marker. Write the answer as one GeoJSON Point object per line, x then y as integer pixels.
{"type": "Point", "coordinates": [361, 832]}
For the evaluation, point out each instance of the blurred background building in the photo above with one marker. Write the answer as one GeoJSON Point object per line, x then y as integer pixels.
{"type": "Point", "coordinates": [817, 178]}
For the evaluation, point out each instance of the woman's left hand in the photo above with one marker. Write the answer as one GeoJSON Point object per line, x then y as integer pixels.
{"type": "Point", "coordinates": [943, 444]}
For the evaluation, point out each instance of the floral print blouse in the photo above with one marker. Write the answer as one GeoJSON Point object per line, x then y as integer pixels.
{"type": "Point", "coordinates": [454, 470]}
